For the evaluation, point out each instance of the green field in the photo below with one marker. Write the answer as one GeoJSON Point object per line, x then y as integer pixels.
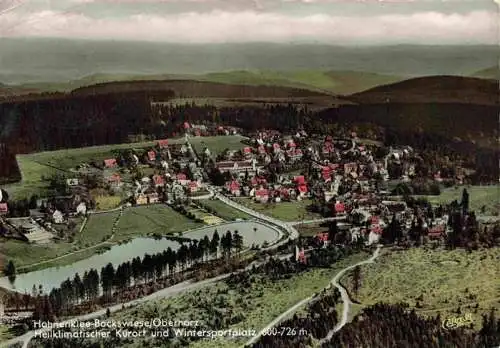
{"type": "Point", "coordinates": [44, 164]}
{"type": "Point", "coordinates": [286, 211]}
{"type": "Point", "coordinates": [149, 220]}
{"type": "Point", "coordinates": [479, 196]}
{"type": "Point", "coordinates": [446, 280]}
{"type": "Point", "coordinates": [136, 222]}
{"type": "Point", "coordinates": [249, 306]}
{"type": "Point", "coordinates": [225, 211]}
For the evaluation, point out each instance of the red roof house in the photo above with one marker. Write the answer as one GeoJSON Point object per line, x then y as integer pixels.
{"type": "Point", "coordinates": [115, 178]}
{"type": "Point", "coordinates": [300, 180]}
{"type": "Point", "coordinates": [247, 150]}
{"type": "Point", "coordinates": [181, 176]}
{"type": "Point", "coordinates": [152, 155]}
{"type": "Point", "coordinates": [436, 232]}
{"type": "Point", "coordinates": [163, 143]}
{"type": "Point", "coordinates": [262, 149]}
{"type": "Point", "coordinates": [4, 208]}
{"type": "Point", "coordinates": [110, 163]}
{"type": "Point", "coordinates": [262, 194]}
{"type": "Point", "coordinates": [326, 173]}
{"type": "Point", "coordinates": [323, 237]}
{"type": "Point", "coordinates": [187, 125]}
{"type": "Point", "coordinates": [339, 207]}
{"type": "Point", "coordinates": [303, 189]}
{"type": "Point", "coordinates": [233, 187]}
{"type": "Point", "coordinates": [158, 180]}
{"type": "Point", "coordinates": [193, 186]}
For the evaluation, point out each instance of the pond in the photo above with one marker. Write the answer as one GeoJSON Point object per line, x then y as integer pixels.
{"type": "Point", "coordinates": [52, 277]}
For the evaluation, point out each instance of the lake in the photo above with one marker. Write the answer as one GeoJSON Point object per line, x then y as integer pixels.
{"type": "Point", "coordinates": [52, 277]}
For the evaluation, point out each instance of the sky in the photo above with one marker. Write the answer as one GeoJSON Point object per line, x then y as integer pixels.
{"type": "Point", "coordinates": [343, 22]}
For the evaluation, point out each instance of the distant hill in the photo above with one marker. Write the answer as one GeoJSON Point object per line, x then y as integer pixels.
{"type": "Point", "coordinates": [488, 73]}
{"type": "Point", "coordinates": [331, 82]}
{"type": "Point", "coordinates": [194, 89]}
{"type": "Point", "coordinates": [59, 60]}
{"type": "Point", "coordinates": [433, 89]}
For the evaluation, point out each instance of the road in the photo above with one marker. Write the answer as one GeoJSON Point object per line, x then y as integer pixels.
{"type": "Point", "coordinates": [176, 289]}
{"type": "Point", "coordinates": [345, 298]}
{"type": "Point", "coordinates": [185, 286]}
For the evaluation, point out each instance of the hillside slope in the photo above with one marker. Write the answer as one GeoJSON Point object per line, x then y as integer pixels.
{"type": "Point", "coordinates": [194, 89]}
{"type": "Point", "coordinates": [489, 73]}
{"type": "Point", "coordinates": [433, 89]}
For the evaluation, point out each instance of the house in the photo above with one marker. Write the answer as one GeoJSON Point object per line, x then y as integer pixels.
{"type": "Point", "coordinates": [158, 180]}
{"type": "Point", "coordinates": [234, 188]}
{"type": "Point", "coordinates": [141, 199]}
{"type": "Point", "coordinates": [247, 151]}
{"type": "Point", "coordinates": [436, 232]}
{"type": "Point", "coordinates": [350, 168]}
{"type": "Point", "coordinates": [261, 149]}
{"type": "Point", "coordinates": [57, 217]}
{"type": "Point", "coordinates": [4, 209]}
{"type": "Point", "coordinates": [323, 237]}
{"type": "Point", "coordinates": [295, 154]}
{"type": "Point", "coordinates": [72, 182]}
{"type": "Point", "coordinates": [193, 186]}
{"type": "Point", "coordinates": [302, 190]}
{"type": "Point", "coordinates": [299, 179]}
{"type": "Point", "coordinates": [339, 207]}
{"type": "Point", "coordinates": [373, 238]}
{"type": "Point", "coordinates": [186, 125]}
{"type": "Point", "coordinates": [110, 163]}
{"type": "Point", "coordinates": [327, 148]}
{"type": "Point", "coordinates": [152, 155]}
{"type": "Point", "coordinates": [153, 198]}
{"type": "Point", "coordinates": [115, 179]}
{"type": "Point", "coordinates": [163, 143]}
{"type": "Point", "coordinates": [81, 209]}
{"type": "Point", "coordinates": [262, 195]}
{"type": "Point", "coordinates": [182, 179]}
{"type": "Point", "coordinates": [238, 166]}
{"type": "Point", "coordinates": [276, 147]}
{"type": "Point", "coordinates": [326, 173]}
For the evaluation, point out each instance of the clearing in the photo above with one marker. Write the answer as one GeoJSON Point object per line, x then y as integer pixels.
{"type": "Point", "coordinates": [432, 281]}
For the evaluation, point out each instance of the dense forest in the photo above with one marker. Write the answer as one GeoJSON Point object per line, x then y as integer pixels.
{"type": "Point", "coordinates": [116, 112]}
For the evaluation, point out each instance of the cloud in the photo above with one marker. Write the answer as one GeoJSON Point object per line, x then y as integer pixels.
{"type": "Point", "coordinates": [248, 26]}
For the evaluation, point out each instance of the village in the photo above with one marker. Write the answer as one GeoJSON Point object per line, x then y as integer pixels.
{"type": "Point", "coordinates": [358, 182]}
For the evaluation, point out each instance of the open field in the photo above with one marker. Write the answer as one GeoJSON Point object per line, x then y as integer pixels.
{"type": "Point", "coordinates": [136, 222]}
{"type": "Point", "coordinates": [225, 211]}
{"type": "Point", "coordinates": [149, 220]}
{"type": "Point", "coordinates": [479, 196]}
{"type": "Point", "coordinates": [446, 280]}
{"type": "Point", "coordinates": [287, 211]}
{"type": "Point", "coordinates": [44, 164]}
{"type": "Point", "coordinates": [239, 306]}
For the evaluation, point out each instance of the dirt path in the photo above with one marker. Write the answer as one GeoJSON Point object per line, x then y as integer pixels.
{"type": "Point", "coordinates": [334, 282]}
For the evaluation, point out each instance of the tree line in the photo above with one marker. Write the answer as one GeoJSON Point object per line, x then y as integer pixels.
{"type": "Point", "coordinates": [151, 268]}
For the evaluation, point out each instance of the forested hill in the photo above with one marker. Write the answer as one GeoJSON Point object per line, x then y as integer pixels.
{"type": "Point", "coordinates": [195, 89]}
{"type": "Point", "coordinates": [434, 89]}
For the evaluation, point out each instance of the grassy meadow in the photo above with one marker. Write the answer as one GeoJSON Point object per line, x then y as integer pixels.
{"type": "Point", "coordinates": [432, 281]}
{"type": "Point", "coordinates": [44, 164]}
{"type": "Point", "coordinates": [479, 196]}
{"type": "Point", "coordinates": [239, 306]}
{"type": "Point", "coordinates": [98, 234]}
{"type": "Point", "coordinates": [286, 211]}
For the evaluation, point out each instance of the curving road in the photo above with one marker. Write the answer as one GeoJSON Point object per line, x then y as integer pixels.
{"type": "Point", "coordinates": [345, 298]}
{"type": "Point", "coordinates": [181, 287]}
